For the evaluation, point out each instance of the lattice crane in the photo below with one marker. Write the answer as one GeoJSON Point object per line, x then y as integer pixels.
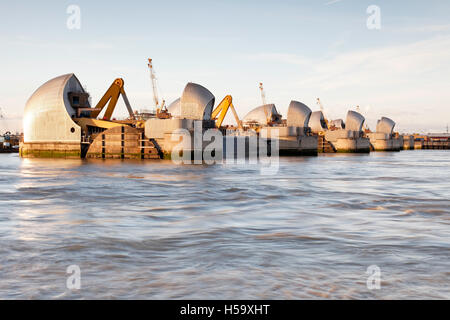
{"type": "Point", "coordinates": [263, 98]}
{"type": "Point", "coordinates": [155, 87]}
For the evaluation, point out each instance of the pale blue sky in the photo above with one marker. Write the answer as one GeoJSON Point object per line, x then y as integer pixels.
{"type": "Point", "coordinates": [300, 49]}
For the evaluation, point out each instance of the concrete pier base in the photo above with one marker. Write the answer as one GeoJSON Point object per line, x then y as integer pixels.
{"type": "Point", "coordinates": [408, 142]}
{"type": "Point", "coordinates": [122, 143]}
{"type": "Point", "coordinates": [293, 141]}
{"type": "Point", "coordinates": [348, 141]}
{"type": "Point", "coordinates": [357, 145]}
{"type": "Point", "coordinates": [65, 150]}
{"type": "Point", "coordinates": [290, 140]}
{"type": "Point", "coordinates": [385, 142]}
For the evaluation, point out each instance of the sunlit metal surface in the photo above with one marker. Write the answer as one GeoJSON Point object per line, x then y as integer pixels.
{"type": "Point", "coordinates": [174, 108]}
{"type": "Point", "coordinates": [196, 102]}
{"type": "Point", "coordinates": [261, 115]}
{"type": "Point", "coordinates": [48, 113]}
{"type": "Point", "coordinates": [298, 114]}
{"type": "Point", "coordinates": [385, 125]}
{"type": "Point", "coordinates": [317, 122]}
{"type": "Point", "coordinates": [354, 121]}
{"type": "Point", "coordinates": [338, 123]}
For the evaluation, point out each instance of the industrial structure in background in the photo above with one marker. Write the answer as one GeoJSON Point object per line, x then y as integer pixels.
{"type": "Point", "coordinates": [385, 139]}
{"type": "Point", "coordinates": [59, 121]}
{"type": "Point", "coordinates": [337, 135]}
{"type": "Point", "coordinates": [161, 110]}
{"type": "Point", "coordinates": [9, 142]}
{"type": "Point", "coordinates": [293, 134]}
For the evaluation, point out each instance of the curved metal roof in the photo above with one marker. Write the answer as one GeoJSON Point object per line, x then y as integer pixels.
{"type": "Point", "coordinates": [47, 114]}
{"type": "Point", "coordinates": [298, 114]}
{"type": "Point", "coordinates": [385, 125]}
{"type": "Point", "coordinates": [196, 102]}
{"type": "Point", "coordinates": [354, 121]}
{"type": "Point", "coordinates": [262, 115]}
{"type": "Point", "coordinates": [317, 122]}
{"type": "Point", "coordinates": [174, 108]}
{"type": "Point", "coordinates": [338, 123]}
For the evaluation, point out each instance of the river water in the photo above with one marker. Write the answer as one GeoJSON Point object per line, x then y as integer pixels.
{"type": "Point", "coordinates": [155, 230]}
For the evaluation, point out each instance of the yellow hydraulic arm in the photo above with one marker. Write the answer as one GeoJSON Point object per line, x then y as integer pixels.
{"type": "Point", "coordinates": [112, 95]}
{"type": "Point", "coordinates": [222, 108]}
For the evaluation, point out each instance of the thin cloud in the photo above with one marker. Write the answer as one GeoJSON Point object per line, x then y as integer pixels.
{"type": "Point", "coordinates": [332, 2]}
{"type": "Point", "coordinates": [429, 28]}
{"type": "Point", "coordinates": [390, 79]}
{"type": "Point", "coordinates": [281, 58]}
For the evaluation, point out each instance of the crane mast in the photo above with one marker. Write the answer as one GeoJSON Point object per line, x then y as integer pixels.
{"type": "Point", "coordinates": [110, 97]}
{"type": "Point", "coordinates": [263, 94]}
{"type": "Point", "coordinates": [153, 78]}
{"type": "Point", "coordinates": [320, 105]}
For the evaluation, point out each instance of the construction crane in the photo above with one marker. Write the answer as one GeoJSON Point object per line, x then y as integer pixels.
{"type": "Point", "coordinates": [112, 95]}
{"type": "Point", "coordinates": [155, 87]}
{"type": "Point", "coordinates": [91, 125]}
{"type": "Point", "coordinates": [263, 98]}
{"type": "Point", "coordinates": [222, 109]}
{"type": "Point", "coordinates": [263, 94]}
{"type": "Point", "coordinates": [366, 127]}
{"type": "Point", "coordinates": [319, 103]}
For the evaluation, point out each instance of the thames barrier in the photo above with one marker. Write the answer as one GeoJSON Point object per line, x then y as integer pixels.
{"type": "Point", "coordinates": [59, 122]}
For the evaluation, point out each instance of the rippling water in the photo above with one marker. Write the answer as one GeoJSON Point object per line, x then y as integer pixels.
{"type": "Point", "coordinates": [156, 230]}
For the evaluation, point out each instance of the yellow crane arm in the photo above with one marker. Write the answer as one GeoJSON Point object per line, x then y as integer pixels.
{"type": "Point", "coordinates": [222, 109]}
{"type": "Point", "coordinates": [239, 122]}
{"type": "Point", "coordinates": [112, 95]}
{"type": "Point", "coordinates": [84, 123]}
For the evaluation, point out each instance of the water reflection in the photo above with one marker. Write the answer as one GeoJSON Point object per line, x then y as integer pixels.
{"type": "Point", "coordinates": [156, 230]}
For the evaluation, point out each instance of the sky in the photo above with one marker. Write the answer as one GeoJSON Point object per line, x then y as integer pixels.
{"type": "Point", "coordinates": [300, 50]}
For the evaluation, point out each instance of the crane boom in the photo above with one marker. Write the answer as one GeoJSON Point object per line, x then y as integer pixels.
{"type": "Point", "coordinates": [111, 96]}
{"type": "Point", "coordinates": [222, 109]}
{"type": "Point", "coordinates": [153, 79]}
{"type": "Point", "coordinates": [263, 97]}
{"type": "Point", "coordinates": [263, 94]}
